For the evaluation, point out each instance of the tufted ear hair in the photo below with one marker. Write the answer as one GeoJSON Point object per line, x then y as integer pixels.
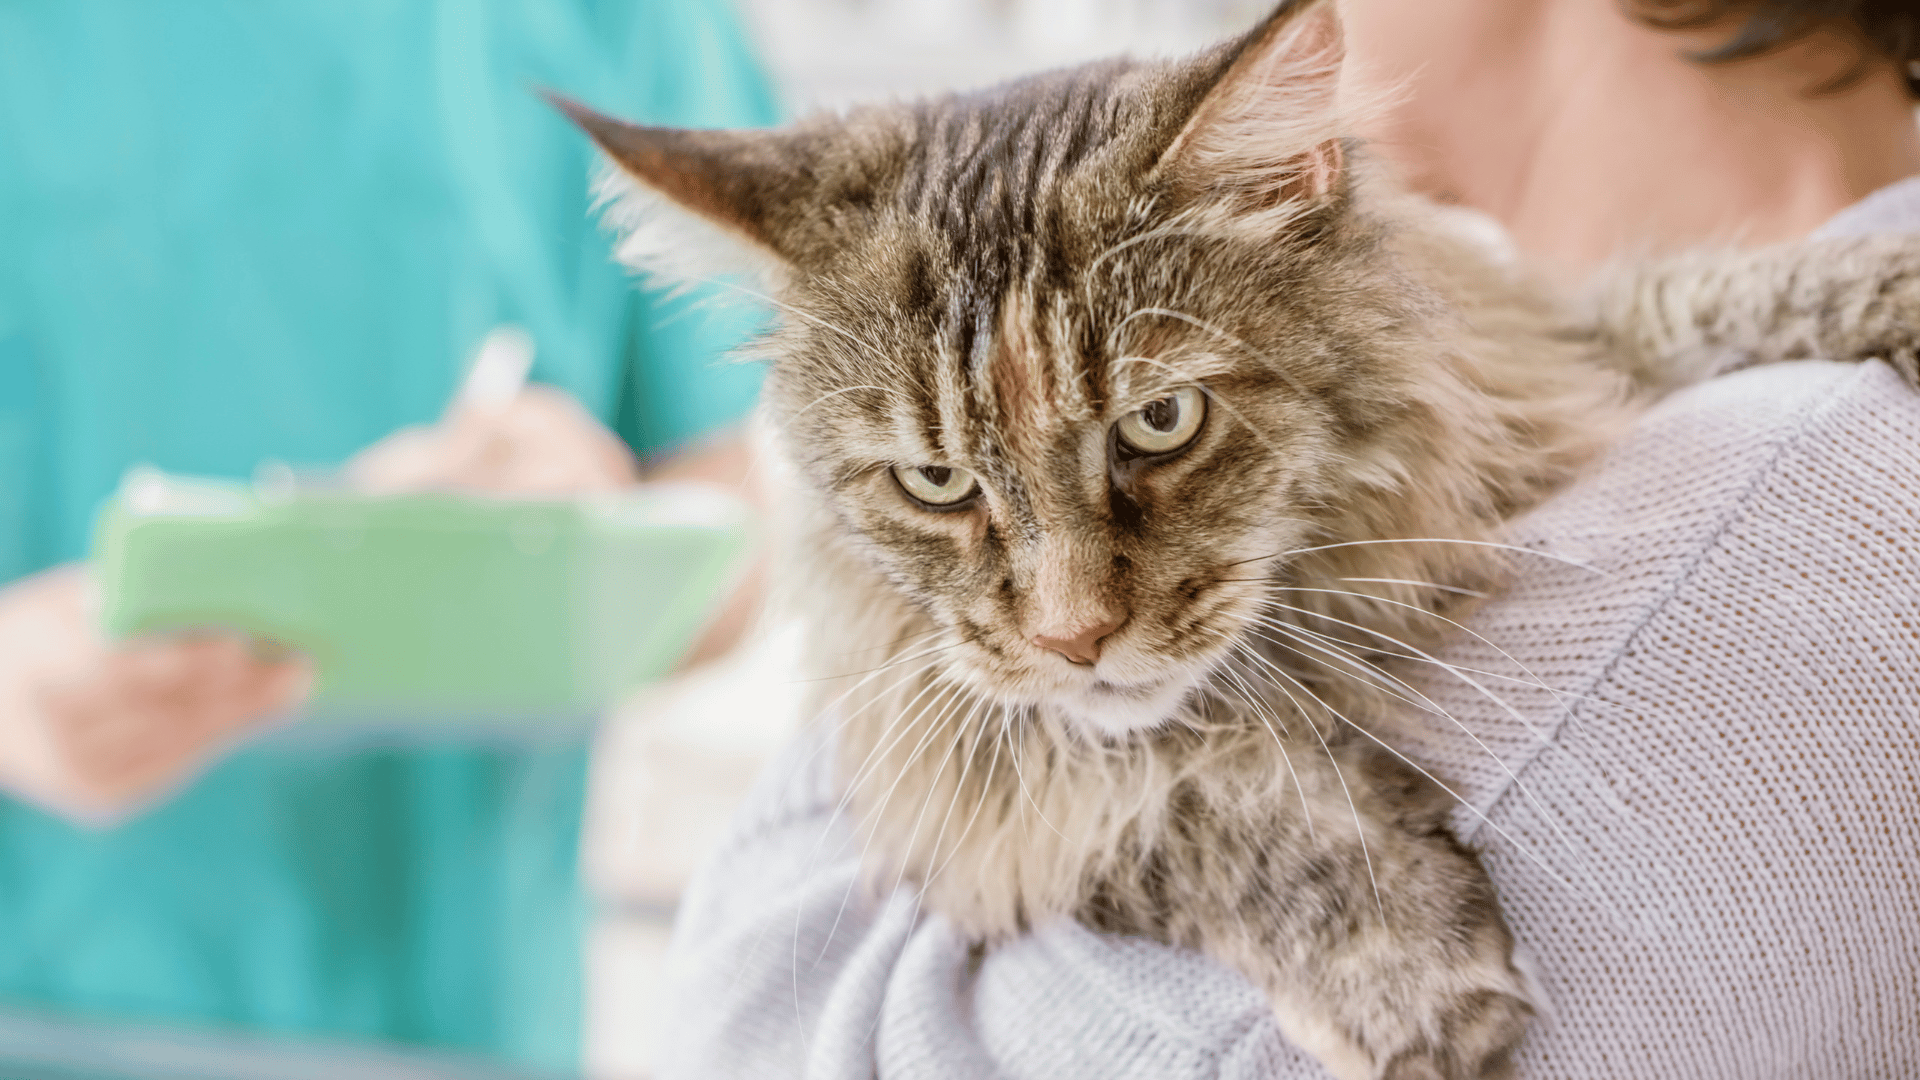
{"type": "Point", "coordinates": [1270, 130]}
{"type": "Point", "coordinates": [692, 203]}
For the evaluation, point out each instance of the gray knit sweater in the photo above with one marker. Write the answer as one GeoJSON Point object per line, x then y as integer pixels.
{"type": "Point", "coordinates": [1712, 858]}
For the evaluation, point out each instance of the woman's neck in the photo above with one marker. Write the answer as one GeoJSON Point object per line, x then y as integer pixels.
{"type": "Point", "coordinates": [1588, 134]}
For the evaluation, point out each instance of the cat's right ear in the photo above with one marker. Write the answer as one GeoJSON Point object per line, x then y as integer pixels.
{"type": "Point", "coordinates": [694, 203]}
{"type": "Point", "coordinates": [1270, 128]}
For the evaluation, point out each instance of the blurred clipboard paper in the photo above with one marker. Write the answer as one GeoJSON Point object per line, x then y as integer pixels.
{"type": "Point", "coordinates": [431, 606]}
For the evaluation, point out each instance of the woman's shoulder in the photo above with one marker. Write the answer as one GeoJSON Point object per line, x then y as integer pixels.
{"type": "Point", "coordinates": [1767, 491]}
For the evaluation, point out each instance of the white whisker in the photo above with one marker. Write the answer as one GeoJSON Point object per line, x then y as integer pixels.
{"type": "Point", "coordinates": [1252, 699]}
{"type": "Point", "coordinates": [875, 351]}
{"type": "Point", "coordinates": [1202, 324]}
{"type": "Point", "coordinates": [846, 390]}
{"type": "Point", "coordinates": [926, 736]}
{"type": "Point", "coordinates": [1175, 229]}
{"type": "Point", "coordinates": [1457, 797]}
{"type": "Point", "coordinates": [1429, 612]}
{"type": "Point", "coordinates": [1513, 777]}
{"type": "Point", "coordinates": [1013, 755]}
{"type": "Point", "coordinates": [1421, 584]}
{"type": "Point", "coordinates": [959, 735]}
{"type": "Point", "coordinates": [1359, 829]}
{"type": "Point", "coordinates": [1440, 540]}
{"type": "Point", "coordinates": [986, 791]}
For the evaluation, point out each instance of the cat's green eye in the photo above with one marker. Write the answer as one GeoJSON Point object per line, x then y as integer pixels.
{"type": "Point", "coordinates": [938, 486]}
{"type": "Point", "coordinates": [1166, 425]}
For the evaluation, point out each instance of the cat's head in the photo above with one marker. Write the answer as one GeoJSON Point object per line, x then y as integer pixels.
{"type": "Point", "coordinates": [1075, 361]}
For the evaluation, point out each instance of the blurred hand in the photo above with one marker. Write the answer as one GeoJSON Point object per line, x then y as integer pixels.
{"type": "Point", "coordinates": [90, 729]}
{"type": "Point", "coordinates": [538, 442]}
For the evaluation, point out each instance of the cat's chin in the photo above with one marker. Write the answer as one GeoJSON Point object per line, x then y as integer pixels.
{"type": "Point", "coordinates": [1116, 709]}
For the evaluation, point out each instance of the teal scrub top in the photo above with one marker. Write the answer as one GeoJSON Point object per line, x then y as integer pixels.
{"type": "Point", "coordinates": [250, 229]}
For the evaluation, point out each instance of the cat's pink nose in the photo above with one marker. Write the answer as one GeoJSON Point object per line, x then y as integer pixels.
{"type": "Point", "coordinates": [1081, 646]}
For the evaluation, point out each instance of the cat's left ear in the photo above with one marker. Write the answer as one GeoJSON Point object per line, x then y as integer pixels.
{"type": "Point", "coordinates": [1269, 129]}
{"type": "Point", "coordinates": [695, 203]}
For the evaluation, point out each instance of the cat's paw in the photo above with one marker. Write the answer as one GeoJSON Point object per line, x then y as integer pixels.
{"type": "Point", "coordinates": [1476, 1040]}
{"type": "Point", "coordinates": [1414, 999]}
{"type": "Point", "coordinates": [1471, 1037]}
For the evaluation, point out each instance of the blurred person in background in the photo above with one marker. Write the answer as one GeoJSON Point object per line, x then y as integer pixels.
{"type": "Point", "coordinates": [248, 230]}
{"type": "Point", "coordinates": [1730, 753]}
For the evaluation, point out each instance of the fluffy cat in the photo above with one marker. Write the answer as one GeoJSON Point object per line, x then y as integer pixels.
{"type": "Point", "coordinates": [1136, 426]}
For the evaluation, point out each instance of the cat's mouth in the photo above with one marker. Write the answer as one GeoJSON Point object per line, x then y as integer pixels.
{"type": "Point", "coordinates": [1115, 708]}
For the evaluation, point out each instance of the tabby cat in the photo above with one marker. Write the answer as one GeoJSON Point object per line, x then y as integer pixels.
{"type": "Point", "coordinates": [1133, 420]}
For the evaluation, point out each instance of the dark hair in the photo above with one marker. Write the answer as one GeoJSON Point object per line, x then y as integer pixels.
{"type": "Point", "coordinates": [1889, 28]}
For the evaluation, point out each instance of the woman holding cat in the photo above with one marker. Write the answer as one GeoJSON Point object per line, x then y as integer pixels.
{"type": "Point", "coordinates": [1702, 824]}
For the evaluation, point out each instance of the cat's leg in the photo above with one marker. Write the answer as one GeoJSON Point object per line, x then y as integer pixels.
{"type": "Point", "coordinates": [1677, 320]}
{"type": "Point", "coordinates": [1408, 972]}
{"type": "Point", "coordinates": [1387, 960]}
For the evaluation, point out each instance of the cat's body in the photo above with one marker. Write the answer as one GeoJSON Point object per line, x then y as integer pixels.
{"type": "Point", "coordinates": [1134, 433]}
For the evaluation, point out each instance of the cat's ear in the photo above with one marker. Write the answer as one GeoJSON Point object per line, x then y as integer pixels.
{"type": "Point", "coordinates": [1269, 130]}
{"type": "Point", "coordinates": [693, 203]}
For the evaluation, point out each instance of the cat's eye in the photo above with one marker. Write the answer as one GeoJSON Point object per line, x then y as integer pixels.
{"type": "Point", "coordinates": [941, 487]}
{"type": "Point", "coordinates": [1166, 425]}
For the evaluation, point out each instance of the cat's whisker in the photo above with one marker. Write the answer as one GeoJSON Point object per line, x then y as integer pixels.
{"type": "Point", "coordinates": [926, 737]}
{"type": "Point", "coordinates": [1512, 776]}
{"type": "Point", "coordinates": [913, 838]}
{"type": "Point", "coordinates": [1247, 694]}
{"type": "Point", "coordinates": [1462, 627]}
{"type": "Point", "coordinates": [1359, 829]}
{"type": "Point", "coordinates": [845, 390]}
{"type": "Point", "coordinates": [1385, 681]}
{"type": "Point", "coordinates": [1458, 798]}
{"type": "Point", "coordinates": [846, 898]}
{"type": "Point", "coordinates": [901, 640]}
{"type": "Point", "coordinates": [840, 721]}
{"type": "Point", "coordinates": [1392, 685]}
{"type": "Point", "coordinates": [1174, 229]}
{"type": "Point", "coordinates": [1202, 324]}
{"type": "Point", "coordinates": [1013, 755]}
{"type": "Point", "coordinates": [873, 350]}
{"type": "Point", "coordinates": [903, 722]}
{"type": "Point", "coordinates": [986, 792]}
{"type": "Point", "coordinates": [1454, 589]}
{"type": "Point", "coordinates": [1496, 699]}
{"type": "Point", "coordinates": [930, 662]}
{"type": "Point", "coordinates": [960, 731]}
{"type": "Point", "coordinates": [889, 664]}
{"type": "Point", "coordinates": [1590, 568]}
{"type": "Point", "coordinates": [1533, 683]}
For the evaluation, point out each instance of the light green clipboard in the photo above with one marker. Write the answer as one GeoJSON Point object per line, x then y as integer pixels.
{"type": "Point", "coordinates": [427, 606]}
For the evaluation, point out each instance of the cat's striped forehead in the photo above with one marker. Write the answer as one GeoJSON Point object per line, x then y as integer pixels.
{"type": "Point", "coordinates": [975, 276]}
{"type": "Point", "coordinates": [1004, 177]}
{"type": "Point", "coordinates": [994, 274]}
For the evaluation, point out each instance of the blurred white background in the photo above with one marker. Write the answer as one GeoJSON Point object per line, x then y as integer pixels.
{"type": "Point", "coordinates": [829, 52]}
